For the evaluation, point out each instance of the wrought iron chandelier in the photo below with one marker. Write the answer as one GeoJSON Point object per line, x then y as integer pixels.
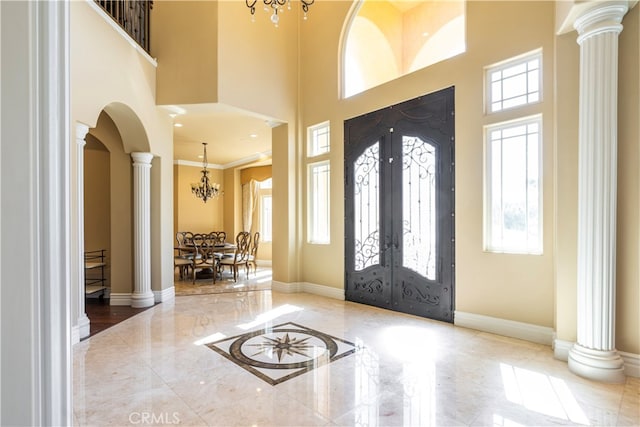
{"type": "Point", "coordinates": [205, 189]}
{"type": "Point", "coordinates": [276, 7]}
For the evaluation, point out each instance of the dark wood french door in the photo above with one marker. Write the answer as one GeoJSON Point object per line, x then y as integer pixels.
{"type": "Point", "coordinates": [399, 207]}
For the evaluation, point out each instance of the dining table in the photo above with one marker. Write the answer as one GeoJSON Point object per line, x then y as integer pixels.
{"type": "Point", "coordinates": [206, 273]}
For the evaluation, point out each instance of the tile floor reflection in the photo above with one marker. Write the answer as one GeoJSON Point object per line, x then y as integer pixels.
{"type": "Point", "coordinates": [156, 369]}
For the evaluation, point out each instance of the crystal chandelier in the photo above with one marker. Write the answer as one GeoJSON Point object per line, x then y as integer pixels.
{"type": "Point", "coordinates": [276, 7]}
{"type": "Point", "coordinates": [205, 189]}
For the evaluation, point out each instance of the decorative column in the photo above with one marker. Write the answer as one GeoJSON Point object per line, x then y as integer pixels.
{"type": "Point", "coordinates": [594, 355]}
{"type": "Point", "coordinates": [142, 295]}
{"type": "Point", "coordinates": [83, 320]}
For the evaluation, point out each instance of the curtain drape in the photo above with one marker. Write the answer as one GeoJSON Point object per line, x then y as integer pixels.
{"type": "Point", "coordinates": [249, 203]}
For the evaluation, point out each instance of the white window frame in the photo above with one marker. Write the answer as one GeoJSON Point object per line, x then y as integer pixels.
{"type": "Point", "coordinates": [312, 142]}
{"type": "Point", "coordinates": [503, 66]}
{"type": "Point", "coordinates": [318, 203]}
{"type": "Point", "coordinates": [532, 247]}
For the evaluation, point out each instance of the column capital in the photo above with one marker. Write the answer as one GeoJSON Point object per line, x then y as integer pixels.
{"type": "Point", "coordinates": [142, 159]}
{"type": "Point", "coordinates": [81, 132]}
{"type": "Point", "coordinates": [602, 18]}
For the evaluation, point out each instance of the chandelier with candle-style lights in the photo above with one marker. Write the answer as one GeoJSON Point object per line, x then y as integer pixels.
{"type": "Point", "coordinates": [205, 189]}
{"type": "Point", "coordinates": [276, 8]}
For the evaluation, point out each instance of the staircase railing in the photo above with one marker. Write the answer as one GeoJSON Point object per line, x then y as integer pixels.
{"type": "Point", "coordinates": [133, 16]}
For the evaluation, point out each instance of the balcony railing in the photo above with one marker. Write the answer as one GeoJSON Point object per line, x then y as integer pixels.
{"type": "Point", "coordinates": [133, 16]}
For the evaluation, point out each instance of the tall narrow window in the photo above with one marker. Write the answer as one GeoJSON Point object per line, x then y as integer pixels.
{"type": "Point", "coordinates": [513, 196]}
{"type": "Point", "coordinates": [514, 82]}
{"type": "Point", "coordinates": [318, 139]}
{"type": "Point", "coordinates": [318, 202]}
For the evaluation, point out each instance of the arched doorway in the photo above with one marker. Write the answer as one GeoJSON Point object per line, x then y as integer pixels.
{"type": "Point", "coordinates": [110, 195]}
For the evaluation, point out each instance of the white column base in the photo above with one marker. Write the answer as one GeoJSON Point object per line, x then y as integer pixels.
{"type": "Point", "coordinates": [84, 326]}
{"type": "Point", "coordinates": [141, 300]}
{"type": "Point", "coordinates": [598, 365]}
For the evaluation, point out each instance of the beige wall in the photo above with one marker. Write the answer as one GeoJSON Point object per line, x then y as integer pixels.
{"type": "Point", "coordinates": [566, 191]}
{"type": "Point", "coordinates": [184, 38]}
{"type": "Point", "coordinates": [232, 202]}
{"type": "Point", "coordinates": [286, 215]}
{"type": "Point", "coordinates": [109, 74]}
{"type": "Point", "coordinates": [514, 287]}
{"type": "Point", "coordinates": [257, 63]}
{"type": "Point", "coordinates": [628, 221]}
{"type": "Point", "coordinates": [119, 187]}
{"type": "Point", "coordinates": [192, 213]}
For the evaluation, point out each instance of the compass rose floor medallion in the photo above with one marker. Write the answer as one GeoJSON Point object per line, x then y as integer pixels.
{"type": "Point", "coordinates": [282, 352]}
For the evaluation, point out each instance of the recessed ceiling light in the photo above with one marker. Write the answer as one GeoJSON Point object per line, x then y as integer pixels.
{"type": "Point", "coordinates": [178, 125]}
{"type": "Point", "coordinates": [201, 156]}
{"type": "Point", "coordinates": [253, 135]}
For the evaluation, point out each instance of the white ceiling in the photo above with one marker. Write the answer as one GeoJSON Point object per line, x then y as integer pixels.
{"type": "Point", "coordinates": [226, 130]}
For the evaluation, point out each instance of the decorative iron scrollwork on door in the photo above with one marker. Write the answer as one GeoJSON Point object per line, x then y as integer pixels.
{"type": "Point", "coordinates": [367, 207]}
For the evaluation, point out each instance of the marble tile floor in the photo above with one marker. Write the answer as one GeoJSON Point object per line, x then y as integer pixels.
{"type": "Point", "coordinates": [259, 280]}
{"type": "Point", "coordinates": [157, 368]}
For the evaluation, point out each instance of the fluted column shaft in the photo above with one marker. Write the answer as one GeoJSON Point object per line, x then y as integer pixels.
{"type": "Point", "coordinates": [142, 295]}
{"type": "Point", "coordinates": [594, 355]}
{"type": "Point", "coordinates": [84, 328]}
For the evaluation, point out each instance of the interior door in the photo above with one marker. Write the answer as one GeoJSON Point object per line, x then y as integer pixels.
{"type": "Point", "coordinates": [399, 207]}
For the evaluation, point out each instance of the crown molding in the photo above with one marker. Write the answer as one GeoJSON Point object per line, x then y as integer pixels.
{"type": "Point", "coordinates": [197, 164]}
{"type": "Point", "coordinates": [239, 162]}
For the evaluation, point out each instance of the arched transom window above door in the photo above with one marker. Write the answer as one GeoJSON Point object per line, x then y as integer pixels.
{"type": "Point", "coordinates": [386, 39]}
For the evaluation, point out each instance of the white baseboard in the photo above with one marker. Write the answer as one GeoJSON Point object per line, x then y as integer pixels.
{"type": "Point", "coordinates": [286, 287]}
{"type": "Point", "coordinates": [118, 298]}
{"type": "Point", "coordinates": [631, 363]}
{"type": "Point", "coordinates": [322, 290]}
{"type": "Point", "coordinates": [309, 288]}
{"type": "Point", "coordinates": [508, 328]}
{"type": "Point", "coordinates": [561, 349]}
{"type": "Point", "coordinates": [165, 295]}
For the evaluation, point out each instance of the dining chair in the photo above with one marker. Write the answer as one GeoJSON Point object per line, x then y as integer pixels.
{"type": "Point", "coordinates": [219, 237]}
{"type": "Point", "coordinates": [253, 252]}
{"type": "Point", "coordinates": [185, 250]}
{"type": "Point", "coordinates": [188, 237]}
{"type": "Point", "coordinates": [240, 256]}
{"type": "Point", "coordinates": [182, 262]}
{"type": "Point", "coordinates": [205, 257]}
